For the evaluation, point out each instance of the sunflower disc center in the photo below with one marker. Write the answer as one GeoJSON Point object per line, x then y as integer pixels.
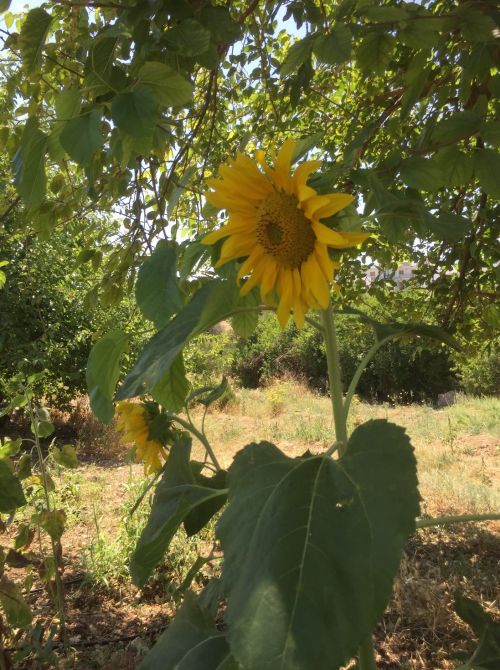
{"type": "Point", "coordinates": [284, 231]}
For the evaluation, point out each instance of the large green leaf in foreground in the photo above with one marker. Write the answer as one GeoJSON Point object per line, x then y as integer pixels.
{"type": "Point", "coordinates": [312, 546]}
{"type": "Point", "coordinates": [214, 302]}
{"type": "Point", "coordinates": [191, 642]}
{"type": "Point", "coordinates": [179, 497]}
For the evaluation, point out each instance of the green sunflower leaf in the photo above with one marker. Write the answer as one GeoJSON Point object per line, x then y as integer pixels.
{"type": "Point", "coordinates": [177, 495]}
{"type": "Point", "coordinates": [191, 642]}
{"type": "Point", "coordinates": [312, 545]}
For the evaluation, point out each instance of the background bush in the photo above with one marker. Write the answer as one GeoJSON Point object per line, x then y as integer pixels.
{"type": "Point", "coordinates": [479, 374]}
{"type": "Point", "coordinates": [401, 371]}
{"type": "Point", "coordinates": [47, 322]}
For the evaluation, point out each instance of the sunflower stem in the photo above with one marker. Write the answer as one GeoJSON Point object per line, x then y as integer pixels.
{"type": "Point", "coordinates": [334, 378]}
{"type": "Point", "coordinates": [366, 652]}
{"type": "Point", "coordinates": [188, 425]}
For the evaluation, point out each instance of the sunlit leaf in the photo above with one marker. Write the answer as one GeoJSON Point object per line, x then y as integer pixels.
{"type": "Point", "coordinates": [103, 370]}
{"type": "Point", "coordinates": [29, 165]}
{"type": "Point", "coordinates": [168, 86]}
{"type": "Point", "coordinates": [156, 290]}
{"type": "Point", "coordinates": [33, 35]}
{"type": "Point", "coordinates": [81, 137]}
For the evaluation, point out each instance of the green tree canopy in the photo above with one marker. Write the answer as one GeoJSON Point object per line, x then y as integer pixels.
{"type": "Point", "coordinates": [129, 107]}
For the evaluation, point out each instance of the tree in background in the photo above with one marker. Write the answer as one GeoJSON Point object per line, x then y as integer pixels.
{"type": "Point", "coordinates": [128, 109]}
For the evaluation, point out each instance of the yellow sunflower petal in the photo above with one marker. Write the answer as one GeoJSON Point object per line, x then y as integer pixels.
{"type": "Point", "coordinates": [249, 263]}
{"type": "Point", "coordinates": [337, 201]}
{"type": "Point", "coordinates": [250, 283]}
{"type": "Point", "coordinates": [216, 235]}
{"type": "Point", "coordinates": [336, 239]}
{"type": "Point", "coordinates": [274, 223]}
{"type": "Point", "coordinates": [269, 276]}
{"type": "Point", "coordinates": [324, 260]}
{"type": "Point", "coordinates": [299, 313]}
{"type": "Point", "coordinates": [313, 204]}
{"type": "Point", "coordinates": [304, 192]}
{"type": "Point", "coordinates": [284, 157]}
{"type": "Point", "coordinates": [286, 297]}
{"type": "Point", "coordinates": [302, 173]}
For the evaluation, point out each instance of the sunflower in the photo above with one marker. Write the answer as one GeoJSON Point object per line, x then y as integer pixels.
{"type": "Point", "coordinates": [133, 420]}
{"type": "Point", "coordinates": [275, 222]}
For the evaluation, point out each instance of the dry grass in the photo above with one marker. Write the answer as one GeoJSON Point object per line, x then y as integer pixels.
{"type": "Point", "coordinates": [457, 447]}
{"type": "Point", "coordinates": [93, 439]}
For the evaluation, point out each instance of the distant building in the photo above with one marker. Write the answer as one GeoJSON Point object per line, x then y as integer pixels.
{"type": "Point", "coordinates": [404, 272]}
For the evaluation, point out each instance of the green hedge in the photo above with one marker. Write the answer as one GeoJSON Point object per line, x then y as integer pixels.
{"type": "Point", "coordinates": [401, 371]}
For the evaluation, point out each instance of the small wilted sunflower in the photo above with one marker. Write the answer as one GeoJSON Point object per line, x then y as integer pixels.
{"type": "Point", "coordinates": [133, 420]}
{"type": "Point", "coordinates": [275, 221]}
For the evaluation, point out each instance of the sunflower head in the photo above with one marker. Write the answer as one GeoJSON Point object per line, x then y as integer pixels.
{"type": "Point", "coordinates": [275, 225]}
{"type": "Point", "coordinates": [134, 421]}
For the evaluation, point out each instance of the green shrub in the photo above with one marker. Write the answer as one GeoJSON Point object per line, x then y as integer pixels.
{"type": "Point", "coordinates": [403, 371]}
{"type": "Point", "coordinates": [479, 374]}
{"type": "Point", "coordinates": [209, 356]}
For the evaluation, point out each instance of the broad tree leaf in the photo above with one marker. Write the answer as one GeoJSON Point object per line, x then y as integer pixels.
{"type": "Point", "coordinates": [177, 494]}
{"type": "Point", "coordinates": [11, 492]}
{"type": "Point", "coordinates": [188, 38]}
{"type": "Point", "coordinates": [458, 126]}
{"type": "Point", "coordinates": [422, 173]}
{"type": "Point", "coordinates": [171, 391]}
{"type": "Point", "coordinates": [52, 522]}
{"type": "Point", "coordinates": [29, 165]}
{"type": "Point", "coordinates": [199, 516]}
{"type": "Point", "coordinates": [297, 54]}
{"type": "Point", "coordinates": [218, 20]}
{"type": "Point", "coordinates": [244, 323]}
{"type": "Point", "coordinates": [456, 166]}
{"type": "Point", "coordinates": [487, 654]}
{"type": "Point", "coordinates": [385, 14]}
{"type": "Point", "coordinates": [103, 370]}
{"type": "Point", "coordinates": [312, 545]}
{"type": "Point", "coordinates": [99, 65]}
{"type": "Point", "coordinates": [374, 51]}
{"type": "Point", "coordinates": [191, 642]}
{"type": "Point", "coordinates": [487, 169]}
{"type": "Point", "coordinates": [33, 35]}
{"type": "Point", "coordinates": [68, 103]}
{"type": "Point", "coordinates": [136, 114]}
{"type": "Point", "coordinates": [490, 133]}
{"type": "Point", "coordinates": [168, 86]}
{"type": "Point", "coordinates": [10, 447]}
{"type": "Point", "coordinates": [334, 48]}
{"type": "Point", "coordinates": [305, 144]}
{"type": "Point", "coordinates": [17, 610]}
{"type": "Point", "coordinates": [212, 303]}
{"type": "Point", "coordinates": [81, 137]}
{"type": "Point", "coordinates": [476, 26]}
{"type": "Point", "coordinates": [65, 456]}
{"type": "Point", "coordinates": [448, 226]}
{"type": "Point", "coordinates": [415, 77]}
{"type": "Point", "coordinates": [156, 290]}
